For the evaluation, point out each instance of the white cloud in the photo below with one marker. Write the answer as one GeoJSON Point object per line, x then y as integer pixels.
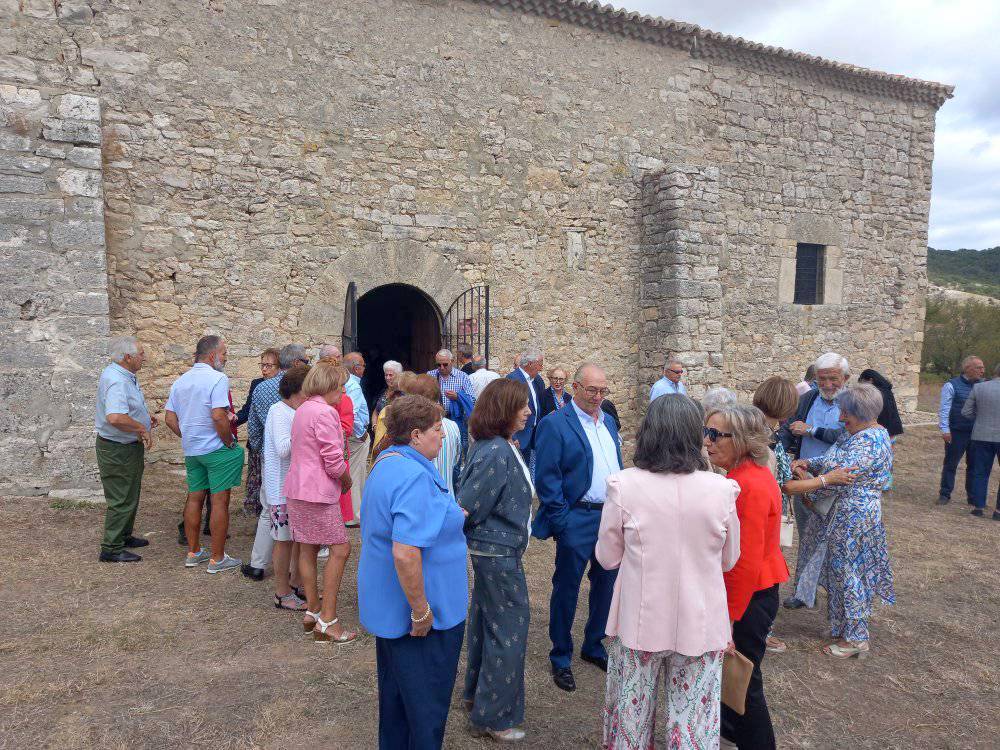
{"type": "Point", "coordinates": [951, 41]}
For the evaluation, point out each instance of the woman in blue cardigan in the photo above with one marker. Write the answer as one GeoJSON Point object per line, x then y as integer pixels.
{"type": "Point", "coordinates": [496, 491]}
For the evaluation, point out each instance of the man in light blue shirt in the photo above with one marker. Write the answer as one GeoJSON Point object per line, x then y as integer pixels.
{"type": "Point", "coordinates": [198, 412]}
{"type": "Point", "coordinates": [358, 443]}
{"type": "Point", "coordinates": [123, 425]}
{"type": "Point", "coordinates": [673, 371]}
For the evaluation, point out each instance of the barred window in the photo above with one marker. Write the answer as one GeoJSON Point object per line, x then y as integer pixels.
{"type": "Point", "coordinates": [809, 262]}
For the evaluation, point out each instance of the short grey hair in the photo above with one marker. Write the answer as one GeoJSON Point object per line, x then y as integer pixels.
{"type": "Point", "coordinates": [479, 362]}
{"type": "Point", "coordinates": [123, 346]}
{"type": "Point", "coordinates": [830, 360]}
{"type": "Point", "coordinates": [751, 436]}
{"type": "Point", "coordinates": [532, 355]}
{"type": "Point", "coordinates": [862, 402]}
{"type": "Point", "coordinates": [207, 345]}
{"type": "Point", "coordinates": [290, 354]}
{"type": "Point", "coordinates": [584, 367]}
{"type": "Point", "coordinates": [393, 365]}
{"type": "Point", "coordinates": [445, 353]}
{"type": "Point", "coordinates": [716, 398]}
{"type": "Point", "coordinates": [329, 350]}
{"type": "Point", "coordinates": [969, 360]}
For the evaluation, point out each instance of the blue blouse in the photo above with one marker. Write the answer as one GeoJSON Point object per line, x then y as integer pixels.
{"type": "Point", "coordinates": [405, 500]}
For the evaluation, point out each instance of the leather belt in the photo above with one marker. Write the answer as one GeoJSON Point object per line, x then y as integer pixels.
{"type": "Point", "coordinates": [587, 505]}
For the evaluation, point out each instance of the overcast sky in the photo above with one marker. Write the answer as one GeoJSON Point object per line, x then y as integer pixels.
{"type": "Point", "coordinates": [950, 41]}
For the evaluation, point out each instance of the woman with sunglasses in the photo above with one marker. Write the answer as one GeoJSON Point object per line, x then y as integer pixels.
{"type": "Point", "coordinates": [736, 439]}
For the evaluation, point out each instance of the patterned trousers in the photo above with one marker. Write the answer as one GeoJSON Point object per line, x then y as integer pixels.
{"type": "Point", "coordinates": [693, 690]}
{"type": "Point", "coordinates": [497, 642]}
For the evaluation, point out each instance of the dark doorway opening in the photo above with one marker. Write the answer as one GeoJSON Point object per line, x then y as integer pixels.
{"type": "Point", "coordinates": [399, 322]}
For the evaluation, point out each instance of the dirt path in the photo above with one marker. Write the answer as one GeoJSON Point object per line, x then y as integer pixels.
{"type": "Point", "coordinates": [156, 656]}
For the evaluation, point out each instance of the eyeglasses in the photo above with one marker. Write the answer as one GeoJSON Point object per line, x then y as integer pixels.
{"type": "Point", "coordinates": [442, 365]}
{"type": "Point", "coordinates": [676, 372]}
{"type": "Point", "coordinates": [268, 366]}
{"type": "Point", "coordinates": [593, 391]}
{"type": "Point", "coordinates": [557, 380]}
{"type": "Point", "coordinates": [713, 434]}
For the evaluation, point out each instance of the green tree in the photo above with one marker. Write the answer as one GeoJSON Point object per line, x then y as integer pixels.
{"type": "Point", "coordinates": [954, 330]}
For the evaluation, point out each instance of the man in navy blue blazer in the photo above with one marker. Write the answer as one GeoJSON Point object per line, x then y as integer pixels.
{"type": "Point", "coordinates": [577, 448]}
{"type": "Point", "coordinates": [529, 364]}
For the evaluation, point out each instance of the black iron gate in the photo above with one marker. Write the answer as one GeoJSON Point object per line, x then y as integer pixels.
{"type": "Point", "coordinates": [349, 336]}
{"type": "Point", "coordinates": [468, 322]}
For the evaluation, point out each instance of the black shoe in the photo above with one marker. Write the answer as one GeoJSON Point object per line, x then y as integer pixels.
{"type": "Point", "coordinates": [942, 500]}
{"type": "Point", "coordinates": [601, 662]}
{"type": "Point", "coordinates": [254, 574]}
{"type": "Point", "coordinates": [182, 537]}
{"type": "Point", "coordinates": [977, 512]}
{"type": "Point", "coordinates": [793, 603]}
{"type": "Point", "coordinates": [563, 678]}
{"type": "Point", "coordinates": [133, 542]}
{"type": "Point", "coordinates": [122, 556]}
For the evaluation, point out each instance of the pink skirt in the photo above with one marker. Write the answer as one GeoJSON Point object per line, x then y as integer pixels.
{"type": "Point", "coordinates": [316, 523]}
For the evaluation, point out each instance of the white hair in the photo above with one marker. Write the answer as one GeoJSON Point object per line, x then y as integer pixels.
{"type": "Point", "coordinates": [445, 353]}
{"type": "Point", "coordinates": [123, 346]}
{"type": "Point", "coordinates": [830, 360]}
{"type": "Point", "coordinates": [329, 350]}
{"type": "Point", "coordinates": [532, 355]}
{"type": "Point", "coordinates": [393, 365]}
{"type": "Point", "coordinates": [716, 399]}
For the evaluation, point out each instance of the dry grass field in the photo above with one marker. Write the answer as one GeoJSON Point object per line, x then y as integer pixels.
{"type": "Point", "coordinates": [155, 656]}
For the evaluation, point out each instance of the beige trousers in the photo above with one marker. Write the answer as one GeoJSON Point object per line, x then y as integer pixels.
{"type": "Point", "coordinates": [359, 470]}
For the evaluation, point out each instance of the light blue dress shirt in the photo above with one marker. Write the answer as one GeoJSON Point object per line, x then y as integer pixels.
{"type": "Point", "coordinates": [822, 413]}
{"type": "Point", "coordinates": [192, 398]}
{"type": "Point", "coordinates": [406, 501]}
{"type": "Point", "coordinates": [605, 453]}
{"type": "Point", "coordinates": [944, 413]}
{"type": "Point", "coordinates": [361, 417]}
{"type": "Point", "coordinates": [664, 386]}
{"type": "Point", "coordinates": [118, 392]}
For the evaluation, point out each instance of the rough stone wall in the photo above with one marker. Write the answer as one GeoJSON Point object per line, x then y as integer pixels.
{"type": "Point", "coordinates": [803, 162]}
{"type": "Point", "coordinates": [54, 307]}
{"type": "Point", "coordinates": [623, 199]}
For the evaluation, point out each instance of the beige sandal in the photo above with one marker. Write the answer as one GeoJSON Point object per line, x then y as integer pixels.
{"type": "Point", "coordinates": [310, 626]}
{"type": "Point", "coordinates": [321, 636]}
{"type": "Point", "coordinates": [854, 651]}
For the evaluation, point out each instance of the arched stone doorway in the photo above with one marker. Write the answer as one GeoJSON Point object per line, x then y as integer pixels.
{"type": "Point", "coordinates": [400, 322]}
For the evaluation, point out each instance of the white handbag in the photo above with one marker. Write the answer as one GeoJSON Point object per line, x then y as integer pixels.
{"type": "Point", "coordinates": [787, 528]}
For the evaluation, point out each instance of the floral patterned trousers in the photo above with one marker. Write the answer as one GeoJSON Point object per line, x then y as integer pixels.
{"type": "Point", "coordinates": [693, 687]}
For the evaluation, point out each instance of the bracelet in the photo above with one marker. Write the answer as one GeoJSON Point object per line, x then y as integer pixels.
{"type": "Point", "coordinates": [421, 619]}
{"type": "Point", "coordinates": [822, 480]}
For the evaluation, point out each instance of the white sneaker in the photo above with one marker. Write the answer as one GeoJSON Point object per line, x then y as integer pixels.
{"type": "Point", "coordinates": [323, 554]}
{"type": "Point", "coordinates": [226, 563]}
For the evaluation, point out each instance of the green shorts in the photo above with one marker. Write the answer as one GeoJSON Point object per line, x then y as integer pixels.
{"type": "Point", "coordinates": [217, 471]}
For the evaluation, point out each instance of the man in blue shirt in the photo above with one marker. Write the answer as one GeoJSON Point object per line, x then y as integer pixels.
{"type": "Point", "coordinates": [673, 371]}
{"type": "Point", "coordinates": [358, 442]}
{"type": "Point", "coordinates": [197, 411]}
{"type": "Point", "coordinates": [123, 426]}
{"type": "Point", "coordinates": [956, 429]}
{"type": "Point", "coordinates": [577, 448]}
{"type": "Point", "coordinates": [815, 427]}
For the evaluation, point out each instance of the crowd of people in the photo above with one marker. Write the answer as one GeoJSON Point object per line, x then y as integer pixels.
{"type": "Point", "coordinates": [459, 467]}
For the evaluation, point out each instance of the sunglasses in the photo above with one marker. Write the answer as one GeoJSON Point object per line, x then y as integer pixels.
{"type": "Point", "coordinates": [676, 372]}
{"type": "Point", "coordinates": [713, 434]}
{"type": "Point", "coordinates": [442, 365]}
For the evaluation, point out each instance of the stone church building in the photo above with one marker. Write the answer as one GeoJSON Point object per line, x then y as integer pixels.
{"type": "Point", "coordinates": [283, 170]}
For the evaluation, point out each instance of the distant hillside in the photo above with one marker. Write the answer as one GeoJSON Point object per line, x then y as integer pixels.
{"type": "Point", "coordinates": [976, 271]}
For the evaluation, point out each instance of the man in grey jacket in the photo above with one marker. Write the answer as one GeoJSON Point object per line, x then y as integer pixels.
{"type": "Point", "coordinates": [983, 406]}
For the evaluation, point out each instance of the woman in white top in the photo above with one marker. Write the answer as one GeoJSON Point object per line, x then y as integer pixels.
{"type": "Point", "coordinates": [276, 456]}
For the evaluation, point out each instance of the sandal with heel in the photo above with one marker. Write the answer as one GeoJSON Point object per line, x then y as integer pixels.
{"type": "Point", "coordinates": [321, 636]}
{"type": "Point", "coordinates": [308, 627]}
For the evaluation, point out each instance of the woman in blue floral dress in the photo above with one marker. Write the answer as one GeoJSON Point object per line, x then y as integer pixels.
{"type": "Point", "coordinates": [853, 564]}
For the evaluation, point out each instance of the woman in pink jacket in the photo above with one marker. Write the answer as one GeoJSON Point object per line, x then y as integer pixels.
{"type": "Point", "coordinates": [670, 528]}
{"type": "Point", "coordinates": [317, 476]}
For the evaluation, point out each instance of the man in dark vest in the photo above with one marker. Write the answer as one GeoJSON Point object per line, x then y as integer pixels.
{"type": "Point", "coordinates": [956, 430]}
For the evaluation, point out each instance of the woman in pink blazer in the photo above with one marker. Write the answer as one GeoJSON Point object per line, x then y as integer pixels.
{"type": "Point", "coordinates": [670, 528]}
{"type": "Point", "coordinates": [317, 476]}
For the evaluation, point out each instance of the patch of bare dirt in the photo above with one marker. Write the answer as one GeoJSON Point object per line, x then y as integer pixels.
{"type": "Point", "coordinates": [156, 656]}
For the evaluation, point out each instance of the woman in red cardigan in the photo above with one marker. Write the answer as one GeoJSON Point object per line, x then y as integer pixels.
{"type": "Point", "coordinates": [736, 439]}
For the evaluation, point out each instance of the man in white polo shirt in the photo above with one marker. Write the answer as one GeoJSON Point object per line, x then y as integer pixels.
{"type": "Point", "coordinates": [197, 411]}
